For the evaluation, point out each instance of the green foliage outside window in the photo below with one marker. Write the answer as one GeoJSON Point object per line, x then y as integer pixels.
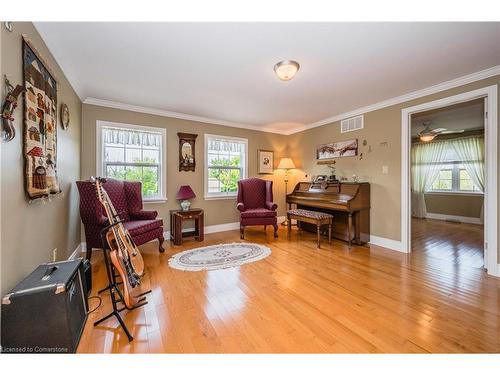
{"type": "Point", "coordinates": [228, 178]}
{"type": "Point", "coordinates": [147, 175]}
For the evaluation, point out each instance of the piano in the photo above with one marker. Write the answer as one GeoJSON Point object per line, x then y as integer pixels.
{"type": "Point", "coordinates": [348, 202]}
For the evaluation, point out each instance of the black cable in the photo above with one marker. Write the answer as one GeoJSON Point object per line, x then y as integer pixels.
{"type": "Point", "coordinates": [99, 305]}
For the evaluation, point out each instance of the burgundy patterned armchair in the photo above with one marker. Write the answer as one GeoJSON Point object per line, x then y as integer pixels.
{"type": "Point", "coordinates": [126, 197]}
{"type": "Point", "coordinates": [255, 203]}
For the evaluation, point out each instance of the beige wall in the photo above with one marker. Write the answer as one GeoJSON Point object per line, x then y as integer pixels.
{"type": "Point", "coordinates": [468, 205]}
{"type": "Point", "coordinates": [216, 211]}
{"type": "Point", "coordinates": [382, 131]}
{"type": "Point", "coordinates": [30, 232]}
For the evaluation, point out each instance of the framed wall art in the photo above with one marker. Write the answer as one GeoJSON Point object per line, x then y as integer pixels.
{"type": "Point", "coordinates": [339, 149]}
{"type": "Point", "coordinates": [64, 116]}
{"type": "Point", "coordinates": [266, 161]}
{"type": "Point", "coordinates": [187, 160]}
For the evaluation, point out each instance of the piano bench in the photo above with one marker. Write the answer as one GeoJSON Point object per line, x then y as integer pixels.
{"type": "Point", "coordinates": [312, 217]}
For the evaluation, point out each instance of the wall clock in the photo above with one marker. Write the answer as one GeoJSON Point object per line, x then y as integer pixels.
{"type": "Point", "coordinates": [64, 116]}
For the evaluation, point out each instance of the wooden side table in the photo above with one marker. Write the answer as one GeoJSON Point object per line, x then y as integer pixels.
{"type": "Point", "coordinates": [176, 219]}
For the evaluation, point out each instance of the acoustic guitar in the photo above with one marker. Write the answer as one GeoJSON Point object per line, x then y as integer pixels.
{"type": "Point", "coordinates": [124, 254]}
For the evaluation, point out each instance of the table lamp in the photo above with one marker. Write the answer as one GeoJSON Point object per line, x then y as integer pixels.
{"type": "Point", "coordinates": [185, 192]}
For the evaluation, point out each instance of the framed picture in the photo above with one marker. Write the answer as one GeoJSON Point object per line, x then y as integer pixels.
{"type": "Point", "coordinates": [337, 150]}
{"type": "Point", "coordinates": [266, 161]}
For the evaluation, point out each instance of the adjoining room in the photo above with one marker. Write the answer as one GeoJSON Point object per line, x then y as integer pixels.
{"type": "Point", "coordinates": [448, 180]}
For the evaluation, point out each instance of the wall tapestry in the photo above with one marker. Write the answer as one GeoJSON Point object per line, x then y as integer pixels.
{"type": "Point", "coordinates": [40, 130]}
{"type": "Point", "coordinates": [337, 149]}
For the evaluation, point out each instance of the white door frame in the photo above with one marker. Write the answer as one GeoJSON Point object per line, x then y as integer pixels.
{"type": "Point", "coordinates": [491, 188]}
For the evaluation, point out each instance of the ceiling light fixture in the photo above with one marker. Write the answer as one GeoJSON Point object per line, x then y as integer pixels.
{"type": "Point", "coordinates": [286, 70]}
{"type": "Point", "coordinates": [427, 137]}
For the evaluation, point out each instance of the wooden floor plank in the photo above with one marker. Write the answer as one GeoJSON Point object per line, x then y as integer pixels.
{"type": "Point", "coordinates": [306, 300]}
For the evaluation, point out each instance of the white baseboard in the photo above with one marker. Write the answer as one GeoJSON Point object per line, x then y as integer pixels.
{"type": "Point", "coordinates": [387, 243]}
{"type": "Point", "coordinates": [220, 227]}
{"type": "Point", "coordinates": [79, 249]}
{"type": "Point", "coordinates": [462, 219]}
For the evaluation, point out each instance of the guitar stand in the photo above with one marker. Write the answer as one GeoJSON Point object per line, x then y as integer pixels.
{"type": "Point", "coordinates": [113, 289]}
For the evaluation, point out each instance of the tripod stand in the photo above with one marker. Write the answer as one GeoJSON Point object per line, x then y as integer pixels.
{"type": "Point", "coordinates": [113, 288]}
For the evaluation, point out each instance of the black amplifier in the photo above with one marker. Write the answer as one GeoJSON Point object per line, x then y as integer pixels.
{"type": "Point", "coordinates": [47, 311]}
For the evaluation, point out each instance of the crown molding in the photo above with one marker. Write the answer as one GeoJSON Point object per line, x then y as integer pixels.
{"type": "Point", "coordinates": [177, 115]}
{"type": "Point", "coordinates": [477, 76]}
{"type": "Point", "coordinates": [460, 81]}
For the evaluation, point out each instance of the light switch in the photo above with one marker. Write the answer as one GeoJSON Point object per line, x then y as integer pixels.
{"type": "Point", "coordinates": [385, 169]}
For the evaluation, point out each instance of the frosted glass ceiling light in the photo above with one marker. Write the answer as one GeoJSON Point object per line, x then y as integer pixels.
{"type": "Point", "coordinates": [286, 70]}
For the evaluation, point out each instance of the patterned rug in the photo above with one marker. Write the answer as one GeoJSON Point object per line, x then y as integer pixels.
{"type": "Point", "coordinates": [218, 256]}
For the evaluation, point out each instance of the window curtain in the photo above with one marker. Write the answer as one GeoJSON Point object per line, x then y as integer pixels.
{"type": "Point", "coordinates": [225, 145]}
{"type": "Point", "coordinates": [425, 164]}
{"type": "Point", "coordinates": [131, 137]}
{"type": "Point", "coordinates": [471, 152]}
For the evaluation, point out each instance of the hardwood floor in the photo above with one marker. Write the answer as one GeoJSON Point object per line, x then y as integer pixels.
{"type": "Point", "coordinates": [458, 243]}
{"type": "Point", "coordinates": [304, 300]}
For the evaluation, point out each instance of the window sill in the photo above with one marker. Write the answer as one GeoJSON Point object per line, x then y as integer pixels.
{"type": "Point", "coordinates": [460, 193]}
{"type": "Point", "coordinates": [217, 197]}
{"type": "Point", "coordinates": [154, 200]}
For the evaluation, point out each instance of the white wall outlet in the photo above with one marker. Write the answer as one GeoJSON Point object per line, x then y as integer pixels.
{"type": "Point", "coordinates": [385, 169]}
{"type": "Point", "coordinates": [54, 254]}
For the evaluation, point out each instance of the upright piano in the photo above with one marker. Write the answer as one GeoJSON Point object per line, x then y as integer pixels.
{"type": "Point", "coordinates": [348, 202]}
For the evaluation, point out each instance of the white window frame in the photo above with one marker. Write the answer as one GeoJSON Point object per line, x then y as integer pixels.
{"type": "Point", "coordinates": [228, 195]}
{"type": "Point", "coordinates": [454, 166]}
{"type": "Point", "coordinates": [162, 175]}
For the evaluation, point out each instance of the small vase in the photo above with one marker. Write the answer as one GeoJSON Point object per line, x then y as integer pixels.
{"type": "Point", "coordinates": [185, 205]}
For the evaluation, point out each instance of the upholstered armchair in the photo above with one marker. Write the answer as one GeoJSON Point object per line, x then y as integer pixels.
{"type": "Point", "coordinates": [255, 203]}
{"type": "Point", "coordinates": [126, 197]}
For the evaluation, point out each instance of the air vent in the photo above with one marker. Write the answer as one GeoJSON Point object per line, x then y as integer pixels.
{"type": "Point", "coordinates": [351, 124]}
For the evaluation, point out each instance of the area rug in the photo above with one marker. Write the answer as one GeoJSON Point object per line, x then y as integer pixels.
{"type": "Point", "coordinates": [218, 256]}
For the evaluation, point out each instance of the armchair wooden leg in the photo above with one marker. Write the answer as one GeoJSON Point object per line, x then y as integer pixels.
{"type": "Point", "coordinates": [89, 253]}
{"type": "Point", "coordinates": [275, 230]}
{"type": "Point", "coordinates": [242, 232]}
{"type": "Point", "coordinates": [265, 228]}
{"type": "Point", "coordinates": [160, 244]}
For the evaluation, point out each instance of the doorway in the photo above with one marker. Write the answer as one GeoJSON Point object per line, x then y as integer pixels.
{"type": "Point", "coordinates": [450, 177]}
{"type": "Point", "coordinates": [447, 167]}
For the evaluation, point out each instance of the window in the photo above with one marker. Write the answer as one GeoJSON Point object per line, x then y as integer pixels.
{"type": "Point", "coordinates": [225, 164]}
{"type": "Point", "coordinates": [133, 153]}
{"type": "Point", "coordinates": [453, 177]}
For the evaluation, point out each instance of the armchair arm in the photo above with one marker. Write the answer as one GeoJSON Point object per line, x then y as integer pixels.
{"type": "Point", "coordinates": [144, 215]}
{"type": "Point", "coordinates": [240, 206]}
{"type": "Point", "coordinates": [271, 206]}
{"type": "Point", "coordinates": [101, 220]}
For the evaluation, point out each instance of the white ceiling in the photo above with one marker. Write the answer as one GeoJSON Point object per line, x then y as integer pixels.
{"type": "Point", "coordinates": [224, 71]}
{"type": "Point", "coordinates": [465, 116]}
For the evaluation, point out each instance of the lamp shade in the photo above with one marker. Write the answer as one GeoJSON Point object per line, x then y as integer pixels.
{"type": "Point", "coordinates": [185, 192]}
{"type": "Point", "coordinates": [286, 163]}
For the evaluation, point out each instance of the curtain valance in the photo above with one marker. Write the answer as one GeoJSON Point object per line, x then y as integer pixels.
{"type": "Point", "coordinates": [131, 137]}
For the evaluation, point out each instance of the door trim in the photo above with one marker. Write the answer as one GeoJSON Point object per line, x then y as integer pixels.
{"type": "Point", "coordinates": [491, 173]}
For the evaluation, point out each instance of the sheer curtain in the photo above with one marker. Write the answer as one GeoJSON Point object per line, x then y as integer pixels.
{"type": "Point", "coordinates": [425, 163]}
{"type": "Point", "coordinates": [471, 152]}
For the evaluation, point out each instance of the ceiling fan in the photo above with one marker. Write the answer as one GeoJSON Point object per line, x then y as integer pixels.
{"type": "Point", "coordinates": [428, 134]}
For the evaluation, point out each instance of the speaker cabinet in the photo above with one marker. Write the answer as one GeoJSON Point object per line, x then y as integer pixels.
{"type": "Point", "coordinates": [47, 311]}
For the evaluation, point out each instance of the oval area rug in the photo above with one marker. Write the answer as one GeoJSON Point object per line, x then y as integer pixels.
{"type": "Point", "coordinates": [218, 256]}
